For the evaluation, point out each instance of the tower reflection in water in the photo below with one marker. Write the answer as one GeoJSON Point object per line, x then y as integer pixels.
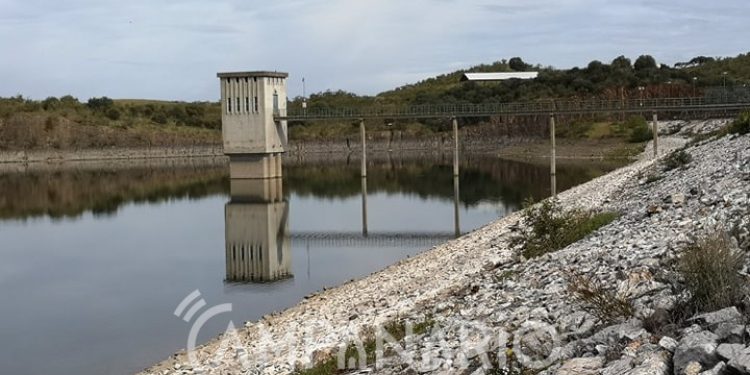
{"type": "Point", "coordinates": [258, 248]}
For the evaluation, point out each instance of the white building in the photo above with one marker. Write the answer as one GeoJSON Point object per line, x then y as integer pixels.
{"type": "Point", "coordinates": [491, 77]}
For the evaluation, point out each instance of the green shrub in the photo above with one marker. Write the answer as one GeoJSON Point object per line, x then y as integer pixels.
{"type": "Point", "coordinates": [651, 178]}
{"type": "Point", "coordinates": [637, 129]}
{"type": "Point", "coordinates": [69, 101]}
{"type": "Point", "coordinates": [625, 152]}
{"type": "Point", "coordinates": [677, 159]}
{"type": "Point", "coordinates": [711, 268]}
{"type": "Point", "coordinates": [550, 227]}
{"type": "Point", "coordinates": [51, 103]}
{"type": "Point", "coordinates": [741, 125]}
{"type": "Point", "coordinates": [113, 114]}
{"type": "Point", "coordinates": [159, 118]}
{"type": "Point", "coordinates": [642, 133]}
{"type": "Point", "coordinates": [100, 104]}
{"type": "Point", "coordinates": [576, 129]}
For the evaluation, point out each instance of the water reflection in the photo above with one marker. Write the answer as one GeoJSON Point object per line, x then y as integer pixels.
{"type": "Point", "coordinates": [483, 178]}
{"type": "Point", "coordinates": [167, 218]}
{"type": "Point", "coordinates": [79, 188]}
{"type": "Point", "coordinates": [258, 248]}
{"type": "Point", "coordinates": [364, 206]}
{"type": "Point", "coordinates": [456, 208]}
{"type": "Point", "coordinates": [70, 190]}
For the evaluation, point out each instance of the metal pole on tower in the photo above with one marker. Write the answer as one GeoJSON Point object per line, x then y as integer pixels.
{"type": "Point", "coordinates": [304, 95]}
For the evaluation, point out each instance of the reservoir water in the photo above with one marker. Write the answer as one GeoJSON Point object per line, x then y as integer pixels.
{"type": "Point", "coordinates": [96, 257]}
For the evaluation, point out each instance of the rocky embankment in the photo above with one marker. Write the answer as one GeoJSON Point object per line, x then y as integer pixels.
{"type": "Point", "coordinates": [485, 303]}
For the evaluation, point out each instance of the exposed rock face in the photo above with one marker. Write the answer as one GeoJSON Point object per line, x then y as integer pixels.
{"type": "Point", "coordinates": [653, 363]}
{"type": "Point", "coordinates": [492, 309]}
{"type": "Point", "coordinates": [698, 347]}
{"type": "Point", "coordinates": [717, 370]}
{"type": "Point", "coordinates": [668, 343]}
{"type": "Point", "coordinates": [741, 362]}
{"type": "Point", "coordinates": [729, 351]}
{"type": "Point", "coordinates": [713, 319]}
{"type": "Point", "coordinates": [581, 366]}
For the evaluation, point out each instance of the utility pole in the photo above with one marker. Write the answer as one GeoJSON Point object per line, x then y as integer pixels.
{"type": "Point", "coordinates": [656, 136]}
{"type": "Point", "coordinates": [363, 136]}
{"type": "Point", "coordinates": [553, 156]}
{"type": "Point", "coordinates": [455, 146]}
{"type": "Point", "coordinates": [456, 207]}
{"type": "Point", "coordinates": [364, 206]}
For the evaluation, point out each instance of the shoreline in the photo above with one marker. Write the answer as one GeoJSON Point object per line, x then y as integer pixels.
{"type": "Point", "coordinates": [335, 315]}
{"type": "Point", "coordinates": [518, 147]}
{"type": "Point", "coordinates": [104, 154]}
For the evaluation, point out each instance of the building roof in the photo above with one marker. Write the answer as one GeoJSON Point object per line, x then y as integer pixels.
{"type": "Point", "coordinates": [498, 76]}
{"type": "Point", "coordinates": [253, 74]}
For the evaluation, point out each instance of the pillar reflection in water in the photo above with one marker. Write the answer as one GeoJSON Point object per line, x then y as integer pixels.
{"type": "Point", "coordinates": [364, 206]}
{"type": "Point", "coordinates": [258, 247]}
{"type": "Point", "coordinates": [456, 205]}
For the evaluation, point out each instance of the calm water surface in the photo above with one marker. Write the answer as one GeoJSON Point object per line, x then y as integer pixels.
{"type": "Point", "coordinates": [94, 261]}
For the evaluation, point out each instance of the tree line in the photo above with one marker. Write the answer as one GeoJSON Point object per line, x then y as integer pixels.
{"type": "Point", "coordinates": [104, 110]}
{"type": "Point", "coordinates": [621, 78]}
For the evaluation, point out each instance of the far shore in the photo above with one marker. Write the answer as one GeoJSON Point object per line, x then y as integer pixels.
{"type": "Point", "coordinates": [524, 148]}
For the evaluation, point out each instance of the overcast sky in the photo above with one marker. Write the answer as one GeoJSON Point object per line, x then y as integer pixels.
{"type": "Point", "coordinates": [168, 49]}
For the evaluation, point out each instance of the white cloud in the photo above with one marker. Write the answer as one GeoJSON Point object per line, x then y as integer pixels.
{"type": "Point", "coordinates": [172, 49]}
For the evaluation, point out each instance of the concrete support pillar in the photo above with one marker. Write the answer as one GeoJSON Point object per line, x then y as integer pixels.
{"type": "Point", "coordinates": [255, 166]}
{"type": "Point", "coordinates": [455, 146]}
{"type": "Point", "coordinates": [272, 165]}
{"type": "Point", "coordinates": [655, 129]}
{"type": "Point", "coordinates": [364, 206]}
{"type": "Point", "coordinates": [456, 207]}
{"type": "Point", "coordinates": [280, 188]}
{"type": "Point", "coordinates": [279, 173]}
{"type": "Point", "coordinates": [256, 190]}
{"type": "Point", "coordinates": [553, 157]}
{"type": "Point", "coordinates": [363, 135]}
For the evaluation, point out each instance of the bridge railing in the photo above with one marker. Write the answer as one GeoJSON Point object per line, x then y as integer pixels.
{"type": "Point", "coordinates": [539, 107]}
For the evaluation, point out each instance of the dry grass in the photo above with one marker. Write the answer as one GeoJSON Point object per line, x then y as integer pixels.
{"type": "Point", "coordinates": [604, 303]}
{"type": "Point", "coordinates": [29, 131]}
{"type": "Point", "coordinates": [396, 329]}
{"type": "Point", "coordinates": [710, 268]}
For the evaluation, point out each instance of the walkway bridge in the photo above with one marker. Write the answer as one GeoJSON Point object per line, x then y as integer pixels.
{"type": "Point", "coordinates": [662, 106]}
{"type": "Point", "coordinates": [724, 106]}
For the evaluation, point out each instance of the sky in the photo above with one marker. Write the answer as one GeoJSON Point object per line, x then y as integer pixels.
{"type": "Point", "coordinates": [172, 50]}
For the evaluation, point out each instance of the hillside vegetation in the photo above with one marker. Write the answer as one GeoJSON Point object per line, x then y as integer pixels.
{"type": "Point", "coordinates": [102, 122]}
{"type": "Point", "coordinates": [621, 78]}
{"type": "Point", "coordinates": [66, 123]}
